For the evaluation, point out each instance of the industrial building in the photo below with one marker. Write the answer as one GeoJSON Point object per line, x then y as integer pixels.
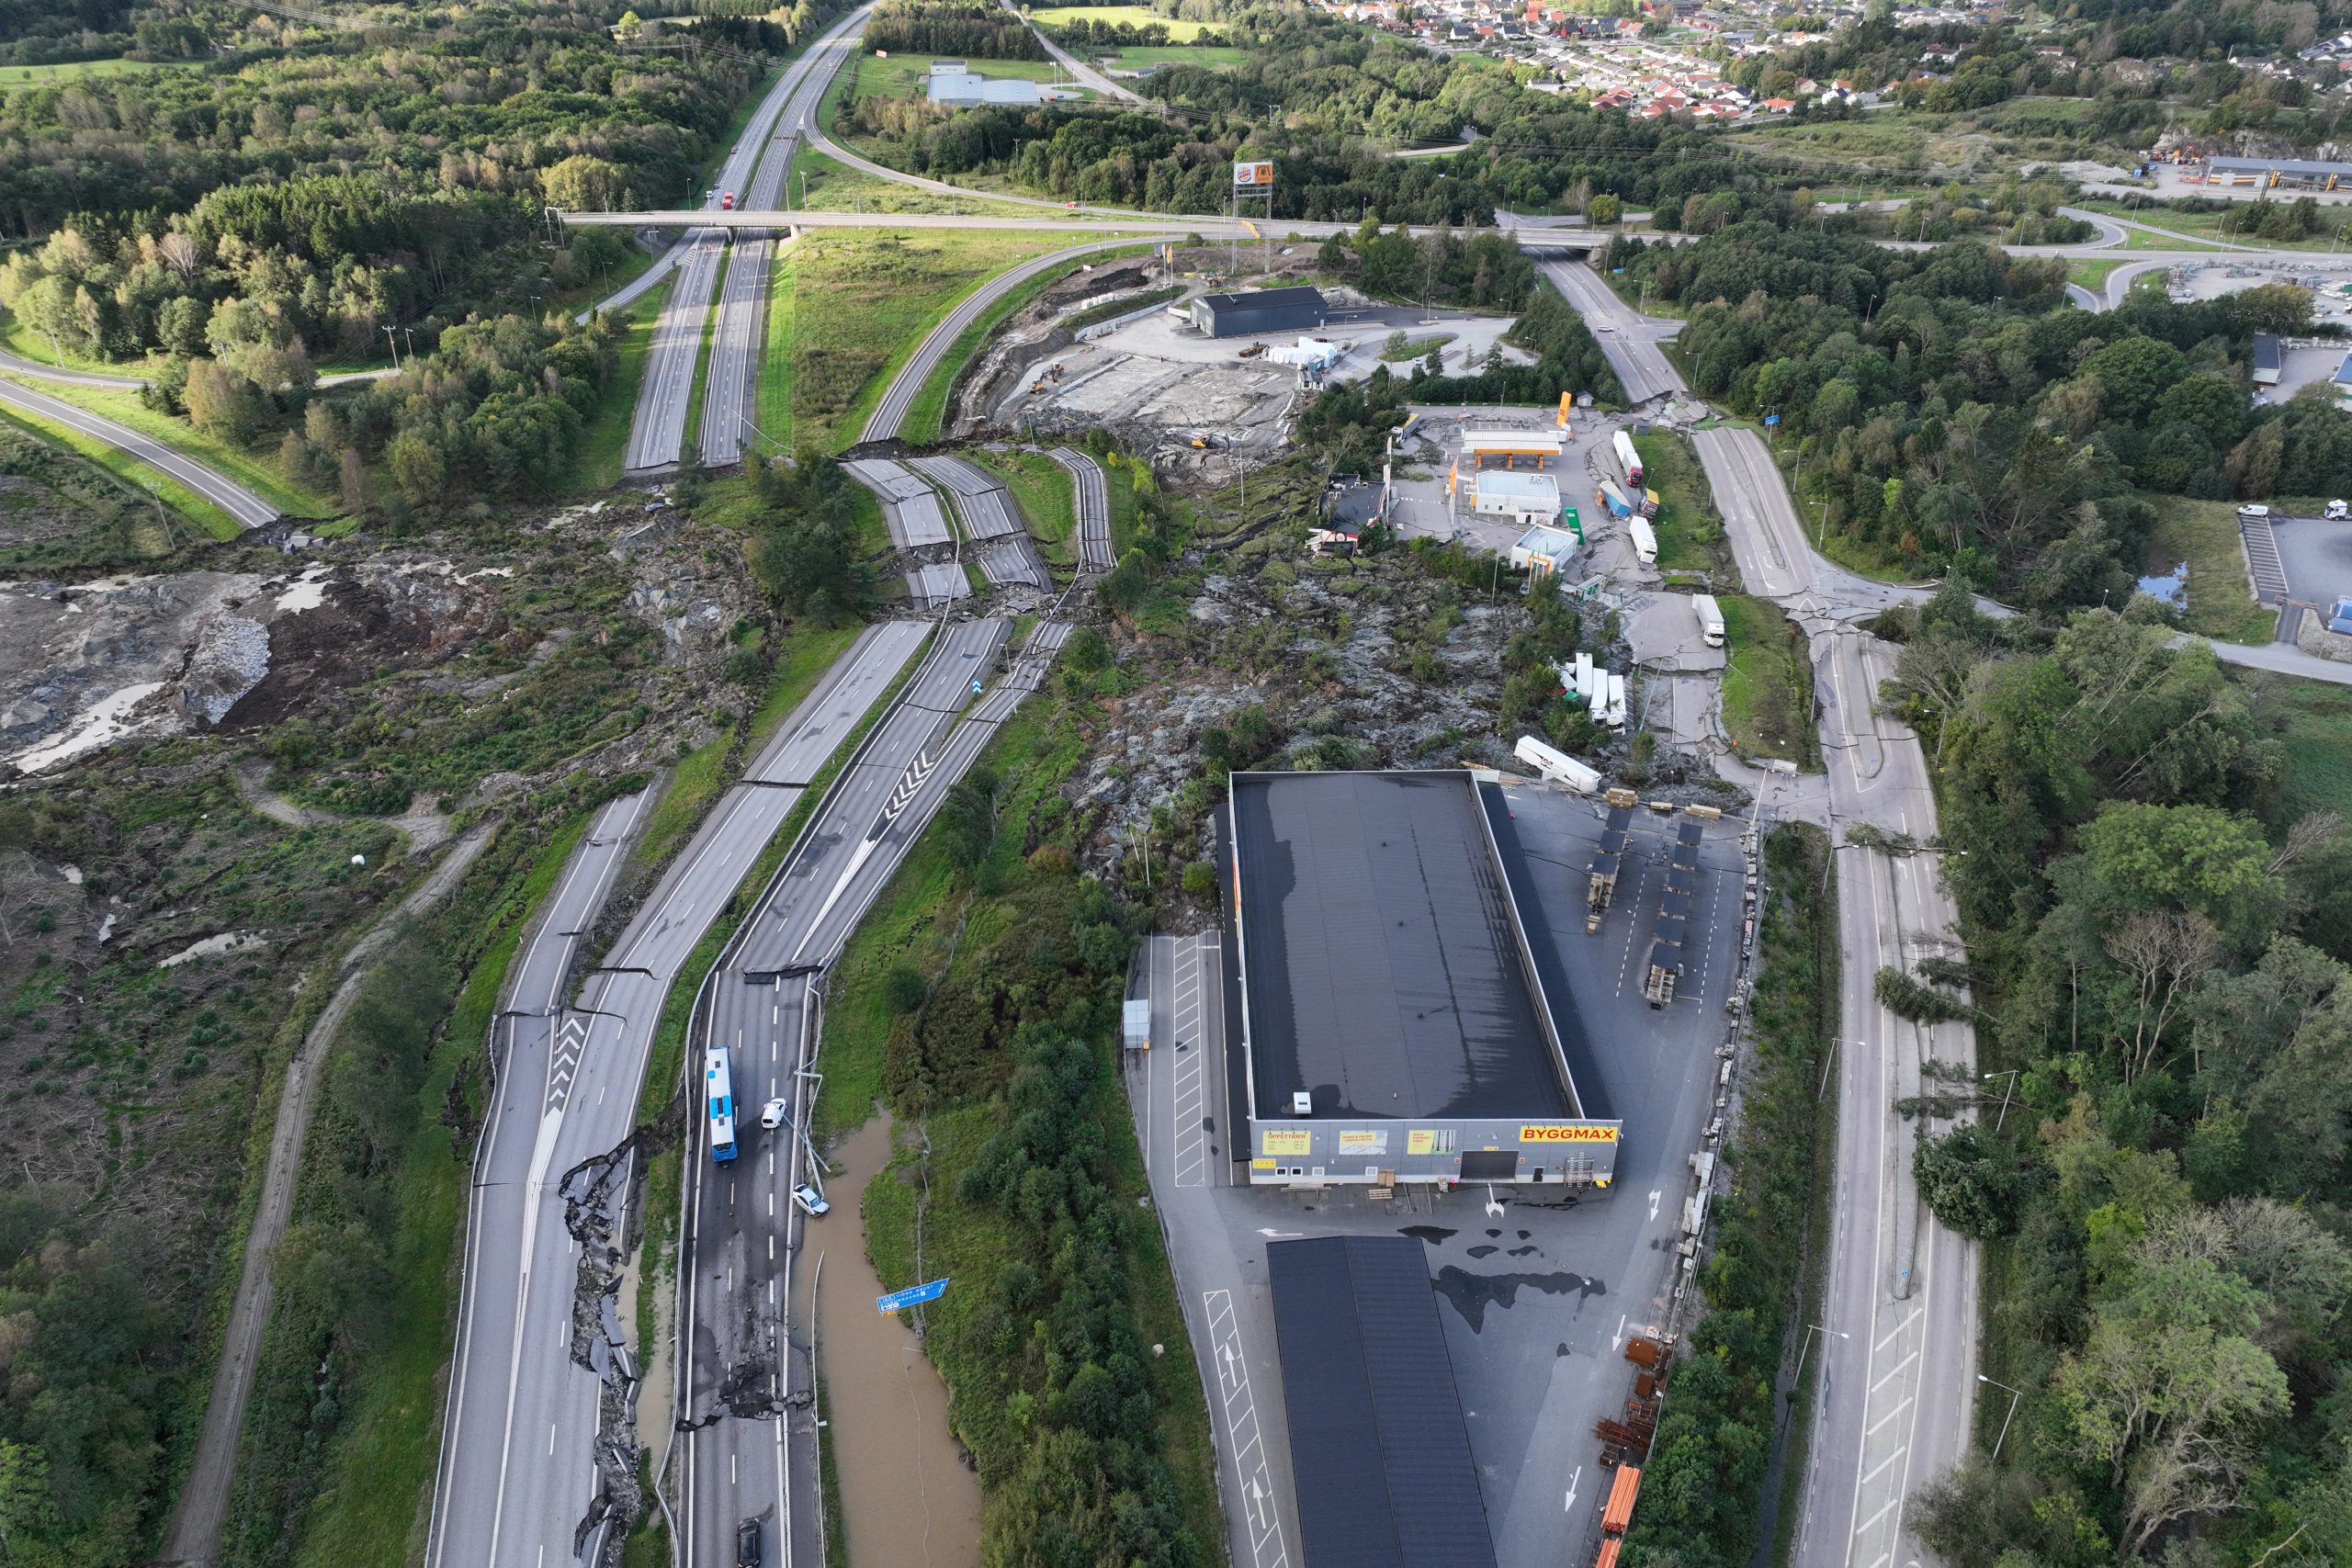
{"type": "Point", "coordinates": [2266, 359]}
{"type": "Point", "coordinates": [1259, 313]}
{"type": "Point", "coordinates": [1527, 499]}
{"type": "Point", "coordinates": [1395, 1023]}
{"type": "Point", "coordinates": [953, 84]}
{"type": "Point", "coordinates": [2285, 174]}
{"type": "Point", "coordinates": [1546, 551]}
{"type": "Point", "coordinates": [1377, 1440]}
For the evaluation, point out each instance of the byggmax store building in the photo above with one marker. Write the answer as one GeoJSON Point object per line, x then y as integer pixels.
{"type": "Point", "coordinates": [1393, 1026]}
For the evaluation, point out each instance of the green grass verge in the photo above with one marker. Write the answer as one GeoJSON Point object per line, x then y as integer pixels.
{"type": "Point", "coordinates": [1413, 348]}
{"type": "Point", "coordinates": [604, 444]}
{"type": "Point", "coordinates": [2315, 726]}
{"type": "Point", "coordinates": [2085, 272]}
{"type": "Point", "coordinates": [251, 466]}
{"type": "Point", "coordinates": [1046, 495]}
{"type": "Point", "coordinates": [2219, 599]}
{"type": "Point", "coordinates": [823, 184]}
{"type": "Point", "coordinates": [377, 1480]}
{"type": "Point", "coordinates": [1690, 532]}
{"type": "Point", "coordinates": [903, 75]}
{"type": "Point", "coordinates": [1768, 689]}
{"type": "Point", "coordinates": [772, 381]}
{"type": "Point", "coordinates": [205, 517]}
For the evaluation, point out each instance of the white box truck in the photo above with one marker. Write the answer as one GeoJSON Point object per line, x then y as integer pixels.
{"type": "Point", "coordinates": [1711, 618]}
{"type": "Point", "coordinates": [1628, 458]}
{"type": "Point", "coordinates": [1557, 765]}
{"type": "Point", "coordinates": [1596, 702]}
{"type": "Point", "coordinates": [1645, 539]}
{"type": "Point", "coordinates": [1617, 702]}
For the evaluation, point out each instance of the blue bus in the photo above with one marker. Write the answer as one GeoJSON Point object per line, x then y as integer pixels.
{"type": "Point", "coordinates": [718, 1091]}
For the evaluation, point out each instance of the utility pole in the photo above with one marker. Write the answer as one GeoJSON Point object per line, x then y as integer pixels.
{"type": "Point", "coordinates": [393, 344]}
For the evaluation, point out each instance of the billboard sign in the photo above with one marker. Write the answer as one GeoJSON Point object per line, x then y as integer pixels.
{"type": "Point", "coordinates": [1287, 1141]}
{"type": "Point", "coordinates": [1253, 176]}
{"type": "Point", "coordinates": [1370, 1142]}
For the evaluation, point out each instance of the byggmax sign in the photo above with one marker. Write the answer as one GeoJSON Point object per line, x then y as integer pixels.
{"type": "Point", "coordinates": [1572, 1133]}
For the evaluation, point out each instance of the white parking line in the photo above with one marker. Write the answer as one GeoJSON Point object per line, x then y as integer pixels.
{"type": "Point", "coordinates": [1253, 1485]}
{"type": "Point", "coordinates": [1187, 1136]}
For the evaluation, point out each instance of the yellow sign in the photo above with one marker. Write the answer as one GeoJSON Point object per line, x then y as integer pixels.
{"type": "Point", "coordinates": [1573, 1133]}
{"type": "Point", "coordinates": [1363, 1142]}
{"type": "Point", "coordinates": [1562, 420]}
{"type": "Point", "coordinates": [1287, 1141]}
{"type": "Point", "coordinates": [1261, 1164]}
{"type": "Point", "coordinates": [1420, 1141]}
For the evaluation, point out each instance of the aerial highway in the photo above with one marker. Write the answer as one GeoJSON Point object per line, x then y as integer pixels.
{"type": "Point", "coordinates": [743, 1394]}
{"type": "Point", "coordinates": [539, 1446]}
{"type": "Point", "coordinates": [657, 437]}
{"type": "Point", "coordinates": [1898, 1360]}
{"type": "Point", "coordinates": [1092, 501]}
{"type": "Point", "coordinates": [249, 509]}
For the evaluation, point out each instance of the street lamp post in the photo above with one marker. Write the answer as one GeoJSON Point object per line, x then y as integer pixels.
{"type": "Point", "coordinates": [2014, 1397]}
{"type": "Point", "coordinates": [2007, 1090]}
{"type": "Point", "coordinates": [1810, 1330]}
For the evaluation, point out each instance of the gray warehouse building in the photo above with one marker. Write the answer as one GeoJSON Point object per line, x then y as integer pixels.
{"type": "Point", "coordinates": [1260, 312]}
{"type": "Point", "coordinates": [1378, 1444]}
{"type": "Point", "coordinates": [1394, 1019]}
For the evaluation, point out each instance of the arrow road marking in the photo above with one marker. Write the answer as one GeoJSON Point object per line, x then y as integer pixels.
{"type": "Point", "coordinates": [1656, 1193]}
{"type": "Point", "coordinates": [1572, 1488]}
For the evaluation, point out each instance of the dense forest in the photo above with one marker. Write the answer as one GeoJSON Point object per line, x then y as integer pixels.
{"type": "Point", "coordinates": [988, 31]}
{"type": "Point", "coordinates": [1955, 417]}
{"type": "Point", "coordinates": [243, 225]}
{"type": "Point", "coordinates": [2158, 944]}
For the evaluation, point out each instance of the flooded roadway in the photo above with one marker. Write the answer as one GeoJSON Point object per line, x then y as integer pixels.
{"type": "Point", "coordinates": [908, 1500]}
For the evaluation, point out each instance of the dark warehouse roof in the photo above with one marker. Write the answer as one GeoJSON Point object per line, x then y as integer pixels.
{"type": "Point", "coordinates": [1381, 967]}
{"type": "Point", "coordinates": [1377, 1443]}
{"type": "Point", "coordinates": [1264, 298]}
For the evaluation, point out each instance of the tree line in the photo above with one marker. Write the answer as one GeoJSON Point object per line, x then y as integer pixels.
{"type": "Point", "coordinates": [2158, 940]}
{"type": "Point", "coordinates": [951, 27]}
{"type": "Point", "coordinates": [1955, 415]}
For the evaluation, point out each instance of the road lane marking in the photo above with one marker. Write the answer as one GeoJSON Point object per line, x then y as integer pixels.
{"type": "Point", "coordinates": [1254, 1481]}
{"type": "Point", "coordinates": [1894, 1413]}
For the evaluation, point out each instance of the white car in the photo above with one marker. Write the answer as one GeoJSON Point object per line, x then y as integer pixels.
{"type": "Point", "coordinates": [810, 1204]}
{"type": "Point", "coordinates": [2339, 510]}
{"type": "Point", "coordinates": [773, 1114]}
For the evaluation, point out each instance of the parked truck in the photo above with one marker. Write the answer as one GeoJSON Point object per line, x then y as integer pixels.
{"type": "Point", "coordinates": [1617, 704]}
{"type": "Point", "coordinates": [1645, 539]}
{"type": "Point", "coordinates": [1628, 458]}
{"type": "Point", "coordinates": [1596, 701]}
{"type": "Point", "coordinates": [1710, 619]}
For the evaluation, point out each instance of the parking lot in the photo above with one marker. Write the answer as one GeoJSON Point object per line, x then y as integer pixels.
{"type": "Point", "coordinates": [1418, 507]}
{"type": "Point", "coordinates": [2317, 556]}
{"type": "Point", "coordinates": [1539, 1298]}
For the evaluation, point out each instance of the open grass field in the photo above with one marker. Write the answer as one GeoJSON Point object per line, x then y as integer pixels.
{"type": "Point", "coordinates": [822, 185]}
{"type": "Point", "coordinates": [1211, 57]}
{"type": "Point", "coordinates": [1139, 15]}
{"type": "Point", "coordinates": [902, 75]}
{"type": "Point", "coordinates": [2315, 726]}
{"type": "Point", "coordinates": [253, 466]}
{"type": "Point", "coordinates": [1768, 689]}
{"type": "Point", "coordinates": [83, 70]}
{"type": "Point", "coordinates": [860, 303]}
{"type": "Point", "coordinates": [2204, 226]}
{"type": "Point", "coordinates": [925, 414]}
{"type": "Point", "coordinates": [205, 517]}
{"type": "Point", "coordinates": [2221, 600]}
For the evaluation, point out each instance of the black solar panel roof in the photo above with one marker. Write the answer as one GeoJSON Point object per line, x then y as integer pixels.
{"type": "Point", "coordinates": [1378, 1448]}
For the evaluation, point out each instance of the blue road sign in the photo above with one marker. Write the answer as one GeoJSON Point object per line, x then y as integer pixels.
{"type": "Point", "coordinates": [976, 688]}
{"type": "Point", "coordinates": [913, 1295]}
{"type": "Point", "coordinates": [1771, 419]}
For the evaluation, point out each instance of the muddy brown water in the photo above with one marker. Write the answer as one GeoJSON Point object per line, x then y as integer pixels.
{"type": "Point", "coordinates": [907, 1501]}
